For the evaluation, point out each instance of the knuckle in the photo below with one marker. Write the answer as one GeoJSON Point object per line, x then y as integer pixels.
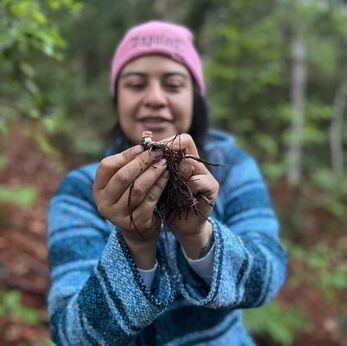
{"type": "Point", "coordinates": [121, 178]}
{"type": "Point", "coordinates": [105, 163]}
{"type": "Point", "coordinates": [125, 155]}
{"type": "Point", "coordinates": [151, 197]}
{"type": "Point", "coordinates": [137, 190]}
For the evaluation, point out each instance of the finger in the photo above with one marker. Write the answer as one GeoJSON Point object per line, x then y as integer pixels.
{"type": "Point", "coordinates": [153, 195]}
{"type": "Point", "coordinates": [190, 167]}
{"type": "Point", "coordinates": [184, 142]}
{"type": "Point", "coordinates": [147, 229]}
{"type": "Point", "coordinates": [127, 174]}
{"type": "Point", "coordinates": [143, 184]}
{"type": "Point", "coordinates": [202, 184]}
{"type": "Point", "coordinates": [111, 164]}
{"type": "Point", "coordinates": [143, 213]}
{"type": "Point", "coordinates": [149, 200]}
{"type": "Point", "coordinates": [136, 192]}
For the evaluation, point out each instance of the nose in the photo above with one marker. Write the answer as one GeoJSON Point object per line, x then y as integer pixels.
{"type": "Point", "coordinates": [155, 96]}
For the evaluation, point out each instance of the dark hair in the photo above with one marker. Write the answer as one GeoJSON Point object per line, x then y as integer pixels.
{"type": "Point", "coordinates": [198, 129]}
{"type": "Point", "coordinates": [201, 120]}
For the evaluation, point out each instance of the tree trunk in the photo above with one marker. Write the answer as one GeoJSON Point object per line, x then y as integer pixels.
{"type": "Point", "coordinates": [336, 131]}
{"type": "Point", "coordinates": [297, 98]}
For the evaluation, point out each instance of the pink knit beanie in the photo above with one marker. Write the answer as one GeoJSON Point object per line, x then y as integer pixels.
{"type": "Point", "coordinates": [156, 37]}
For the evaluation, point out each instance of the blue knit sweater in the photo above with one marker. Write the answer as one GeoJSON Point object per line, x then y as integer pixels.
{"type": "Point", "coordinates": [98, 297]}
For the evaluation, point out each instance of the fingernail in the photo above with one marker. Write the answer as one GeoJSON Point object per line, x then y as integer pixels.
{"type": "Point", "coordinates": [157, 153]}
{"type": "Point", "coordinates": [137, 149]}
{"type": "Point", "coordinates": [162, 162]}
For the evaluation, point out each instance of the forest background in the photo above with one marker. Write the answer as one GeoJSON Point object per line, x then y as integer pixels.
{"type": "Point", "coordinates": [277, 79]}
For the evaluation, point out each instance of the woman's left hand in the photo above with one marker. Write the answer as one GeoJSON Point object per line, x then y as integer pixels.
{"type": "Point", "coordinates": [194, 231]}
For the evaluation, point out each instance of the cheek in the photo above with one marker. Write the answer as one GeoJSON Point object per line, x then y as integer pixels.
{"type": "Point", "coordinates": [125, 109]}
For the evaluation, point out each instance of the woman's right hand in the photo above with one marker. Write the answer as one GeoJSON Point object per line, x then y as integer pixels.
{"type": "Point", "coordinates": [127, 188]}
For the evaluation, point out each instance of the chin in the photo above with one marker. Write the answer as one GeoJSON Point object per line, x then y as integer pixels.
{"type": "Point", "coordinates": [162, 135]}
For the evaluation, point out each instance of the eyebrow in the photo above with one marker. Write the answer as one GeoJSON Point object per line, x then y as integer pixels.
{"type": "Point", "coordinates": [143, 74]}
{"type": "Point", "coordinates": [130, 74]}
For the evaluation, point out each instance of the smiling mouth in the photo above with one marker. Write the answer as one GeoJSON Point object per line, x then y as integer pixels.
{"type": "Point", "coordinates": [155, 123]}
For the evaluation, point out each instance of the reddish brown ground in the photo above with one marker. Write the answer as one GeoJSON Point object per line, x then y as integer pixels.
{"type": "Point", "coordinates": [23, 254]}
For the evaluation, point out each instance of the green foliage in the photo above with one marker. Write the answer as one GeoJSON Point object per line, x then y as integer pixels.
{"type": "Point", "coordinates": [249, 76]}
{"type": "Point", "coordinates": [73, 5]}
{"type": "Point", "coordinates": [28, 28]}
{"type": "Point", "coordinates": [26, 35]}
{"type": "Point", "coordinates": [334, 198]}
{"type": "Point", "coordinates": [23, 196]}
{"type": "Point", "coordinates": [274, 321]}
{"type": "Point", "coordinates": [327, 268]}
{"type": "Point", "coordinates": [274, 171]}
{"type": "Point", "coordinates": [45, 146]}
{"type": "Point", "coordinates": [11, 306]}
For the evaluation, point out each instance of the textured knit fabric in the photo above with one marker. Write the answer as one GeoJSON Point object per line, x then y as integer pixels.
{"type": "Point", "coordinates": [156, 37]}
{"type": "Point", "coordinates": [98, 297]}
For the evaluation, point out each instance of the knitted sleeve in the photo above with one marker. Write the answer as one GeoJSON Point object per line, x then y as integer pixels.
{"type": "Point", "coordinates": [97, 296]}
{"type": "Point", "coordinates": [249, 262]}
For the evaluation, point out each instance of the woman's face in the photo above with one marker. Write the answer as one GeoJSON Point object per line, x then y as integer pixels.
{"type": "Point", "coordinates": [155, 94]}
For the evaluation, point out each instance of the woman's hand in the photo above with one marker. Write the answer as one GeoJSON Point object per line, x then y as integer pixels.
{"type": "Point", "coordinates": [194, 232]}
{"type": "Point", "coordinates": [127, 188]}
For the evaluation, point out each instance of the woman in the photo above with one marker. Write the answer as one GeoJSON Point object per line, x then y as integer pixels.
{"type": "Point", "coordinates": [115, 280]}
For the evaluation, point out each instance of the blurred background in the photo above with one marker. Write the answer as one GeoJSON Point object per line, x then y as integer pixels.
{"type": "Point", "coordinates": [277, 79]}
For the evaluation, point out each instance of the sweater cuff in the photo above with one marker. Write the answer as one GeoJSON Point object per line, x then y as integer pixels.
{"type": "Point", "coordinates": [148, 275]}
{"type": "Point", "coordinates": [202, 266]}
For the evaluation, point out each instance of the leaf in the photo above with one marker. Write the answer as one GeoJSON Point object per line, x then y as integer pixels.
{"type": "Point", "coordinates": [23, 196]}
{"type": "Point", "coordinates": [336, 280]}
{"type": "Point", "coordinates": [10, 305]}
{"type": "Point", "coordinates": [39, 17]}
{"type": "Point", "coordinates": [45, 146]}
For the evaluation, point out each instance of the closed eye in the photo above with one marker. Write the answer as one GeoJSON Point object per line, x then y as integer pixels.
{"type": "Point", "coordinates": [174, 87]}
{"type": "Point", "coordinates": [174, 82]}
{"type": "Point", "coordinates": [135, 86]}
